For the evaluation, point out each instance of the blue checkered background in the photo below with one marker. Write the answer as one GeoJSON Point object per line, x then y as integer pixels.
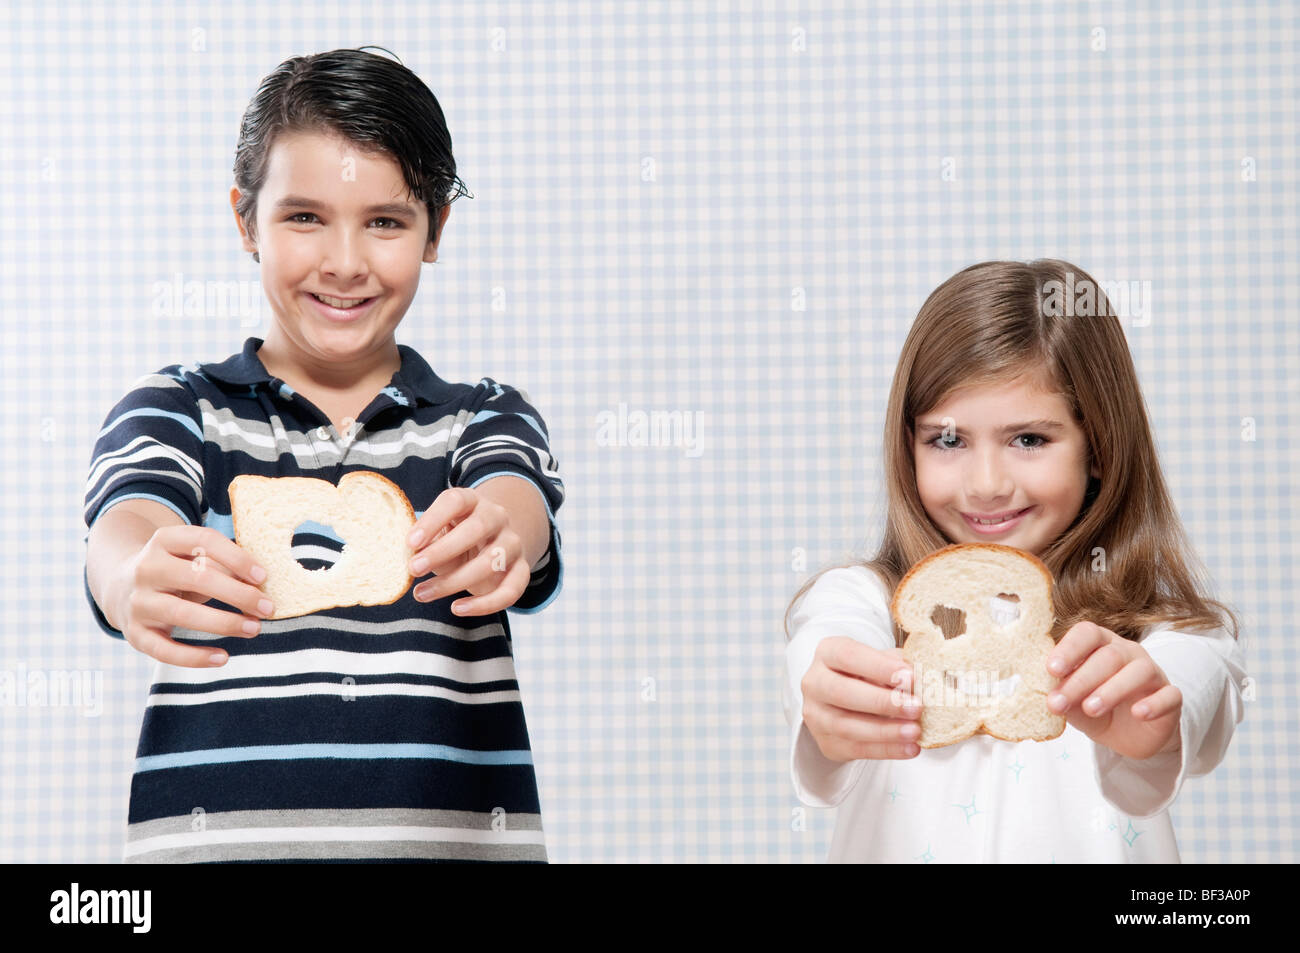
{"type": "Point", "coordinates": [730, 211]}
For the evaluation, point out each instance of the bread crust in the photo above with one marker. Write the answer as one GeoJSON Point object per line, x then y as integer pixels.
{"type": "Point", "coordinates": [1029, 558]}
{"type": "Point", "coordinates": [245, 480]}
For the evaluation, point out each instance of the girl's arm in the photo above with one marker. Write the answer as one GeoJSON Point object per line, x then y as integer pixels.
{"type": "Point", "coordinates": [846, 602]}
{"type": "Point", "coordinates": [1208, 671]}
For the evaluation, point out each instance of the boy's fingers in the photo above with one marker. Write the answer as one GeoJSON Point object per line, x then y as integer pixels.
{"type": "Point", "coordinates": [451, 503]}
{"type": "Point", "coordinates": [207, 544]}
{"type": "Point", "coordinates": [503, 597]}
{"type": "Point", "coordinates": [156, 645]}
{"type": "Point", "coordinates": [198, 581]}
{"type": "Point", "coordinates": [173, 612]}
{"type": "Point", "coordinates": [481, 568]}
{"type": "Point", "coordinates": [455, 543]}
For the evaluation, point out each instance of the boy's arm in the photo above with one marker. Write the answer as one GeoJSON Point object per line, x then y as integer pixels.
{"type": "Point", "coordinates": [114, 540]}
{"type": "Point", "coordinates": [521, 498]}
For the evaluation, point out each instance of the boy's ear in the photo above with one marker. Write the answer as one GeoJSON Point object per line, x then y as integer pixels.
{"type": "Point", "coordinates": [239, 222]}
{"type": "Point", "coordinates": [431, 249]}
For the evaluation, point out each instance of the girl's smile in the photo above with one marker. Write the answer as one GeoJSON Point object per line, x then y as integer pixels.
{"type": "Point", "coordinates": [996, 525]}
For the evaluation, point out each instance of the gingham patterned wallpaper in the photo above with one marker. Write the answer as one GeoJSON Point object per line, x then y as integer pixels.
{"type": "Point", "coordinates": [731, 211]}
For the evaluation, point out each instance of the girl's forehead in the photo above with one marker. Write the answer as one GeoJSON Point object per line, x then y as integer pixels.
{"type": "Point", "coordinates": [1020, 390]}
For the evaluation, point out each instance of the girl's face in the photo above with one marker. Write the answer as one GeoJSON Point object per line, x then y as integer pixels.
{"type": "Point", "coordinates": [1008, 448]}
{"type": "Point", "coordinates": [337, 221]}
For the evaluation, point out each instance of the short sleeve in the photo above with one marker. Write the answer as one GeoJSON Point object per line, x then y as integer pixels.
{"type": "Point", "coordinates": [850, 602]}
{"type": "Point", "coordinates": [151, 448]}
{"type": "Point", "coordinates": [506, 436]}
{"type": "Point", "coordinates": [1207, 669]}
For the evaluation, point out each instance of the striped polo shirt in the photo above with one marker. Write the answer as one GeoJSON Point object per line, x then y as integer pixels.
{"type": "Point", "coordinates": [364, 733]}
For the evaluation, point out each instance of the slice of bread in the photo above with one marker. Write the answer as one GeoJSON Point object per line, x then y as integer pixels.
{"type": "Point", "coordinates": [992, 677]}
{"type": "Point", "coordinates": [367, 510]}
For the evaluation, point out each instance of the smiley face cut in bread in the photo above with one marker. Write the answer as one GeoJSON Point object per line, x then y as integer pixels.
{"type": "Point", "coordinates": [988, 674]}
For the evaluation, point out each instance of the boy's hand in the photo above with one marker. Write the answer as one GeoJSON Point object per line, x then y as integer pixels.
{"type": "Point", "coordinates": [165, 584]}
{"type": "Point", "coordinates": [466, 540]}
{"type": "Point", "coordinates": [1128, 704]}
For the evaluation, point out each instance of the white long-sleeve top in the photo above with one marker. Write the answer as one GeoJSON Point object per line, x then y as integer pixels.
{"type": "Point", "coordinates": [984, 800]}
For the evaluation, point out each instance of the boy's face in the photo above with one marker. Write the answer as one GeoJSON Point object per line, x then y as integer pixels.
{"type": "Point", "coordinates": [986, 471]}
{"type": "Point", "coordinates": [335, 243]}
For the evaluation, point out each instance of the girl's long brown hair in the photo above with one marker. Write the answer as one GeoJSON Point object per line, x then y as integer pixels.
{"type": "Point", "coordinates": [1126, 562]}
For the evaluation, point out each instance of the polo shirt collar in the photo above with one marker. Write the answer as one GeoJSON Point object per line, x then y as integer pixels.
{"type": "Point", "coordinates": [415, 379]}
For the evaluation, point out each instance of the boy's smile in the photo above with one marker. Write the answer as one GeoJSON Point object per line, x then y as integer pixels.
{"type": "Point", "coordinates": [341, 240]}
{"type": "Point", "coordinates": [985, 479]}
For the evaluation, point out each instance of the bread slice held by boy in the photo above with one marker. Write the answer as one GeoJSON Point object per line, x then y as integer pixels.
{"type": "Point", "coordinates": [988, 673]}
{"type": "Point", "coordinates": [367, 510]}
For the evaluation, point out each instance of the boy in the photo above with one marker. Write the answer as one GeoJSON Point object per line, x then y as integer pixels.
{"type": "Point", "coordinates": [389, 732]}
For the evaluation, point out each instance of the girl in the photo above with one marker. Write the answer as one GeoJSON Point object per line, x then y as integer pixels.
{"type": "Point", "coordinates": [1011, 422]}
{"type": "Point", "coordinates": [374, 733]}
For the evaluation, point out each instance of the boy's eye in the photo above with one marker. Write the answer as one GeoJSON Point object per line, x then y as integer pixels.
{"type": "Point", "coordinates": [297, 215]}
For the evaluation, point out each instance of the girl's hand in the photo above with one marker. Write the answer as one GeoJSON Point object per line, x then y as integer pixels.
{"type": "Point", "coordinates": [1127, 705]}
{"type": "Point", "coordinates": [854, 702]}
{"type": "Point", "coordinates": [164, 584]}
{"type": "Point", "coordinates": [468, 544]}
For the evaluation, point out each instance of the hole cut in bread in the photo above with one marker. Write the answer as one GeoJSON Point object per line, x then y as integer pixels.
{"type": "Point", "coordinates": [366, 510]}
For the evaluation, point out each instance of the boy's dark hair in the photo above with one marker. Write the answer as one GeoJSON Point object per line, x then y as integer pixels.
{"type": "Point", "coordinates": [370, 100]}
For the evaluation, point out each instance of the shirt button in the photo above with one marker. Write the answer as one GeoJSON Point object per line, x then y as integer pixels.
{"type": "Point", "coordinates": [322, 433]}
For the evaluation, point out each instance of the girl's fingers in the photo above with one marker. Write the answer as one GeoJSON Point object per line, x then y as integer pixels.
{"type": "Point", "coordinates": [1099, 666]}
{"type": "Point", "coordinates": [848, 693]}
{"type": "Point", "coordinates": [1128, 681]}
{"type": "Point", "coordinates": [1162, 703]}
{"type": "Point", "coordinates": [850, 657]}
{"type": "Point", "coordinates": [857, 728]}
{"type": "Point", "coordinates": [1077, 645]}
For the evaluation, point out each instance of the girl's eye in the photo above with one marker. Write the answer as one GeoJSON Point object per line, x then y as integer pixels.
{"type": "Point", "coordinates": [297, 215]}
{"type": "Point", "coordinates": [935, 442]}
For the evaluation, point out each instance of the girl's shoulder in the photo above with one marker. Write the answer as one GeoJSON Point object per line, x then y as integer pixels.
{"type": "Point", "coordinates": [854, 586]}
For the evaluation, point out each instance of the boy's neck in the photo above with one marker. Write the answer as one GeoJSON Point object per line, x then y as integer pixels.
{"type": "Point", "coordinates": [368, 372]}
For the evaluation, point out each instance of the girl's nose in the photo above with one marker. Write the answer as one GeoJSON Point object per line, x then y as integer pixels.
{"type": "Point", "coordinates": [988, 478]}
